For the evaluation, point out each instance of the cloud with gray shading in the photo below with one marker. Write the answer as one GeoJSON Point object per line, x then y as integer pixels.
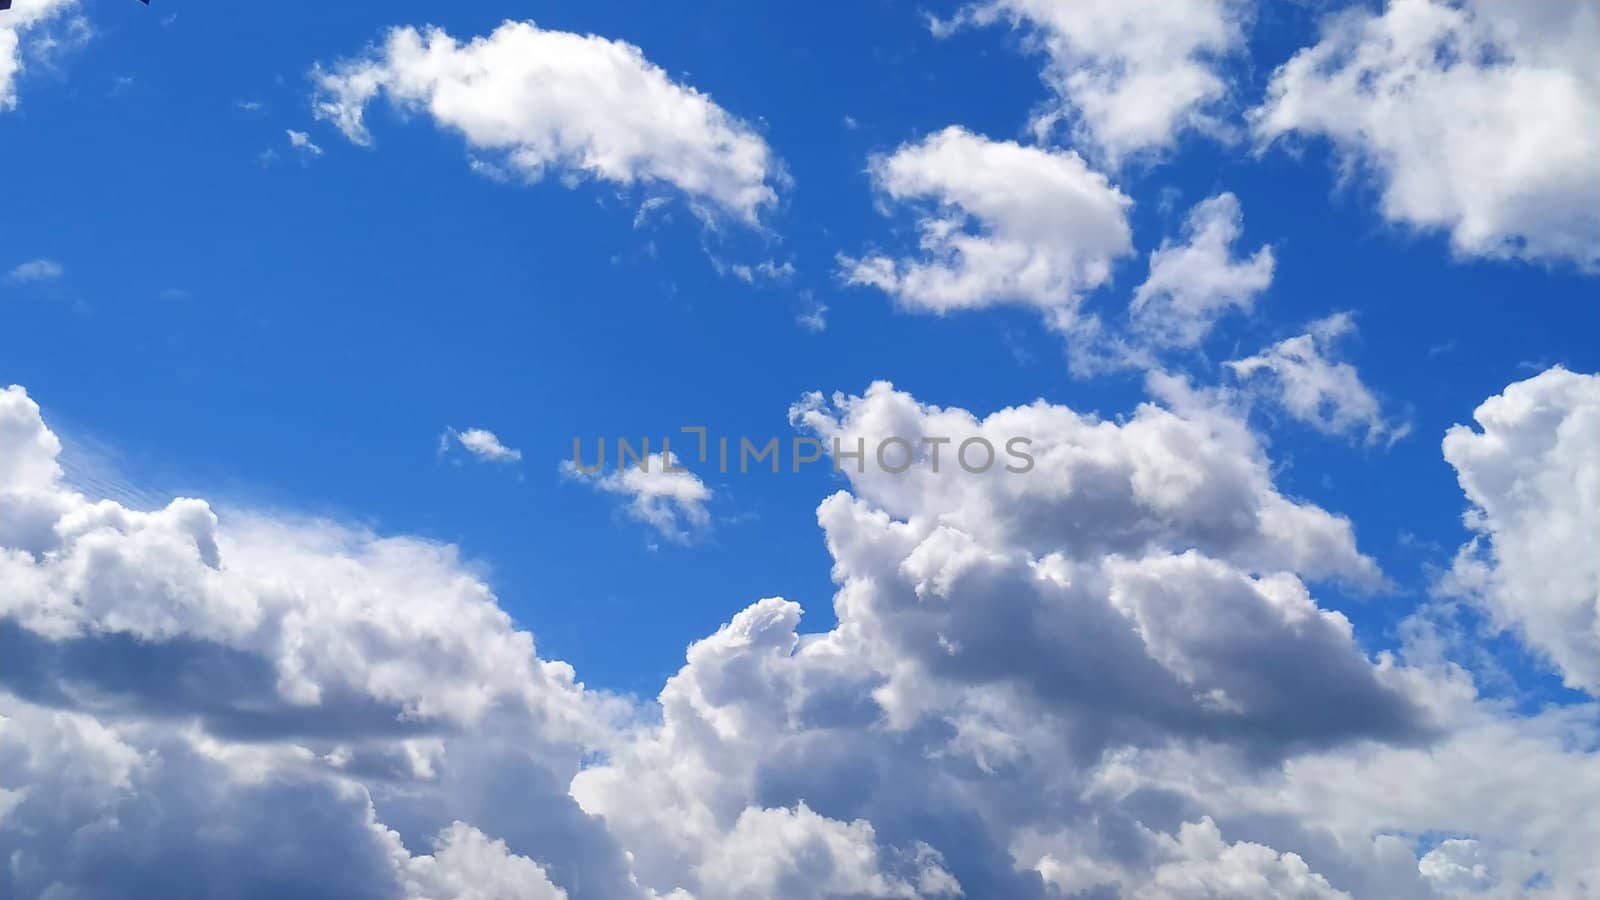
{"type": "Point", "coordinates": [1114, 676]}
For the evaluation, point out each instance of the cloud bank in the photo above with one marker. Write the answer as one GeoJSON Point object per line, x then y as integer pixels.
{"type": "Point", "coordinates": [1111, 676]}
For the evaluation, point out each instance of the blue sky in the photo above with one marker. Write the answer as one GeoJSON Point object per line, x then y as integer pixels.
{"type": "Point", "coordinates": [291, 330]}
{"type": "Point", "coordinates": [323, 319]}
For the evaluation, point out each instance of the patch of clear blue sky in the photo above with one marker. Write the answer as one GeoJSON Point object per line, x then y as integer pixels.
{"type": "Point", "coordinates": [297, 334]}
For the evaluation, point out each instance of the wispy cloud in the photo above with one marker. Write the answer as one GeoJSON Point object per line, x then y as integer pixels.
{"type": "Point", "coordinates": [302, 141]}
{"type": "Point", "coordinates": [35, 271]}
{"type": "Point", "coordinates": [668, 498]}
{"type": "Point", "coordinates": [1301, 377]}
{"type": "Point", "coordinates": [481, 443]}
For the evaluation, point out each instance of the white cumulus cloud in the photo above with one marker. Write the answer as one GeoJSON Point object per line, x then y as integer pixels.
{"type": "Point", "coordinates": [466, 864]}
{"type": "Point", "coordinates": [1110, 676]}
{"type": "Point", "coordinates": [1477, 118]}
{"type": "Point", "coordinates": [1531, 470]}
{"type": "Point", "coordinates": [569, 105]}
{"type": "Point", "coordinates": [660, 492]}
{"type": "Point", "coordinates": [1205, 867]}
{"type": "Point", "coordinates": [252, 690]}
{"type": "Point", "coordinates": [1000, 223]}
{"type": "Point", "coordinates": [1129, 75]}
{"type": "Point", "coordinates": [21, 26]}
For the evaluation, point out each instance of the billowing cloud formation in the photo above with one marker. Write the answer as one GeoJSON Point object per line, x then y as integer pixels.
{"type": "Point", "coordinates": [997, 635]}
{"type": "Point", "coordinates": [1130, 75]}
{"type": "Point", "coordinates": [1532, 474]}
{"type": "Point", "coordinates": [162, 672]}
{"type": "Point", "coordinates": [1108, 676]}
{"type": "Point", "coordinates": [1304, 381]}
{"type": "Point", "coordinates": [1204, 866]}
{"type": "Point", "coordinates": [1477, 117]}
{"type": "Point", "coordinates": [552, 102]}
{"type": "Point", "coordinates": [27, 16]}
{"type": "Point", "coordinates": [797, 853]}
{"type": "Point", "coordinates": [1194, 282]}
{"type": "Point", "coordinates": [661, 493]}
{"type": "Point", "coordinates": [1160, 479]}
{"type": "Point", "coordinates": [1002, 223]}
{"type": "Point", "coordinates": [466, 864]}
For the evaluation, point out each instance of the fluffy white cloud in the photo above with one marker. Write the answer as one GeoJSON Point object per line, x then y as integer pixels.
{"type": "Point", "coordinates": [306, 614]}
{"type": "Point", "coordinates": [1000, 223]}
{"type": "Point", "coordinates": [797, 853]}
{"type": "Point", "coordinates": [481, 443]}
{"type": "Point", "coordinates": [1455, 867]}
{"type": "Point", "coordinates": [1158, 480]}
{"type": "Point", "coordinates": [467, 865]}
{"type": "Point", "coordinates": [1205, 867]}
{"type": "Point", "coordinates": [1477, 117]}
{"type": "Point", "coordinates": [660, 492]}
{"type": "Point", "coordinates": [248, 690]}
{"type": "Point", "coordinates": [1532, 474]}
{"type": "Point", "coordinates": [35, 270]}
{"type": "Point", "coordinates": [551, 102]}
{"type": "Point", "coordinates": [1130, 75]}
{"type": "Point", "coordinates": [18, 27]}
{"type": "Point", "coordinates": [117, 807]}
{"type": "Point", "coordinates": [1507, 793]}
{"type": "Point", "coordinates": [1145, 542]}
{"type": "Point", "coordinates": [1303, 380]}
{"type": "Point", "coordinates": [1106, 677]}
{"type": "Point", "coordinates": [997, 634]}
{"type": "Point", "coordinates": [1194, 283]}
